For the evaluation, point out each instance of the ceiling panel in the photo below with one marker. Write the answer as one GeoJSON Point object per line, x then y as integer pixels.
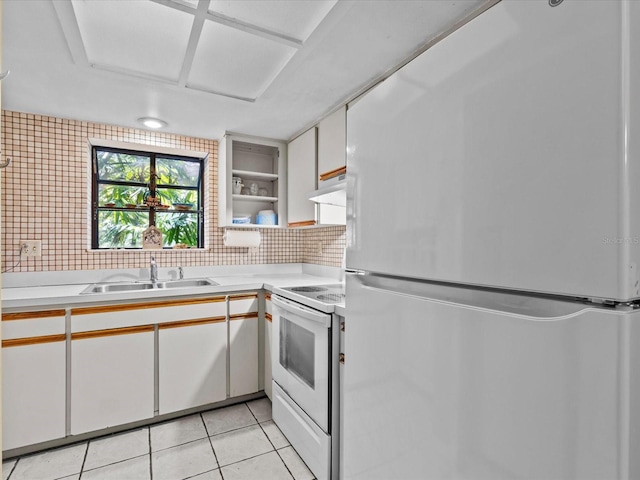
{"type": "Point", "coordinates": [235, 63]}
{"type": "Point", "coordinates": [292, 18]}
{"type": "Point", "coordinates": [142, 37]}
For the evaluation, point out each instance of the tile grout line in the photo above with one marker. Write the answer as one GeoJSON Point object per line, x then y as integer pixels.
{"type": "Point", "coordinates": [206, 430]}
{"type": "Point", "coordinates": [150, 455]}
{"type": "Point", "coordinates": [13, 468]}
{"type": "Point", "coordinates": [84, 460]}
{"type": "Point", "coordinates": [112, 463]}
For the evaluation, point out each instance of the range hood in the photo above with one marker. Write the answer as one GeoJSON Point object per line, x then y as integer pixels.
{"type": "Point", "coordinates": [333, 192]}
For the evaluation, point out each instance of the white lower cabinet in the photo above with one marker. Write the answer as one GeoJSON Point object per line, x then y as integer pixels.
{"type": "Point", "coordinates": [33, 377]}
{"type": "Point", "coordinates": [243, 344]}
{"type": "Point", "coordinates": [112, 377]}
{"type": "Point", "coordinates": [33, 402]}
{"type": "Point", "coordinates": [192, 364]}
{"type": "Point", "coordinates": [127, 363]}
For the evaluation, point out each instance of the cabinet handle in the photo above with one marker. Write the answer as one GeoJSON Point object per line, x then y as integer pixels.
{"type": "Point", "coordinates": [21, 342]}
{"type": "Point", "coordinates": [342, 359]}
{"type": "Point", "coordinates": [111, 332]}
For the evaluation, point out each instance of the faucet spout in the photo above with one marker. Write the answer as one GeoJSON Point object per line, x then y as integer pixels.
{"type": "Point", "coordinates": [154, 270]}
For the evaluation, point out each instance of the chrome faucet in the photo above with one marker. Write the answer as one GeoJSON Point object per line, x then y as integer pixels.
{"type": "Point", "coordinates": [154, 270]}
{"type": "Point", "coordinates": [181, 272]}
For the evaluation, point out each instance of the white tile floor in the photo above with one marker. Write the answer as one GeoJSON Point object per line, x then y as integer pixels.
{"type": "Point", "coordinates": [239, 442]}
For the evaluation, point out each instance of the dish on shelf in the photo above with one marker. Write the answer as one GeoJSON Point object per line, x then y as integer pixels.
{"type": "Point", "coordinates": [241, 219]}
{"type": "Point", "coordinates": [183, 206]}
{"type": "Point", "coordinates": [162, 207]}
{"type": "Point", "coordinates": [109, 204]}
{"type": "Point", "coordinates": [266, 217]}
{"type": "Point", "coordinates": [131, 205]}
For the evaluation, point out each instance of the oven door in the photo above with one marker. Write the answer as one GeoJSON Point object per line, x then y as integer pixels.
{"type": "Point", "coordinates": [300, 361]}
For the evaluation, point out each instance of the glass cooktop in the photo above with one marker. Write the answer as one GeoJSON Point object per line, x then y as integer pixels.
{"type": "Point", "coordinates": [331, 294]}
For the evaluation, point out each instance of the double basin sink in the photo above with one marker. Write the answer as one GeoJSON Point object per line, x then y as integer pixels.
{"type": "Point", "coordinates": [147, 285]}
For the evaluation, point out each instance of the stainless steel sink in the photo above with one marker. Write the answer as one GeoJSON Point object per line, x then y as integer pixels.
{"type": "Point", "coordinates": [135, 286]}
{"type": "Point", "coordinates": [196, 282]}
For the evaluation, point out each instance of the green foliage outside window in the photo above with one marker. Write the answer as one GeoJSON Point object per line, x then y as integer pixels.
{"type": "Point", "coordinates": [122, 181]}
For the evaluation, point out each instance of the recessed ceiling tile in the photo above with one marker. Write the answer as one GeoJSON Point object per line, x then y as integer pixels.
{"type": "Point", "coordinates": [291, 18]}
{"type": "Point", "coordinates": [142, 37]}
{"type": "Point", "coordinates": [236, 63]}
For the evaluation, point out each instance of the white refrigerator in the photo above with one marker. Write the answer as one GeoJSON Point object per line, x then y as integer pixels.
{"type": "Point", "coordinates": [493, 240]}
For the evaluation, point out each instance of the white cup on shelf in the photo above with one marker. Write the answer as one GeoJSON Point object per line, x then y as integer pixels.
{"type": "Point", "coordinates": [237, 185]}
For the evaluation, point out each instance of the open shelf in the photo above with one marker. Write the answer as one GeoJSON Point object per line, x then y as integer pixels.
{"type": "Point", "coordinates": [253, 198]}
{"type": "Point", "coordinates": [258, 176]}
{"type": "Point", "coordinates": [259, 163]}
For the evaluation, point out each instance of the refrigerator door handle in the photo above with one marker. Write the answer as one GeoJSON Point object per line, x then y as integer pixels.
{"type": "Point", "coordinates": [527, 307]}
{"type": "Point", "coordinates": [350, 271]}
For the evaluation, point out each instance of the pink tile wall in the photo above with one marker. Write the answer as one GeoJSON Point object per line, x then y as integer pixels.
{"type": "Point", "coordinates": [45, 197]}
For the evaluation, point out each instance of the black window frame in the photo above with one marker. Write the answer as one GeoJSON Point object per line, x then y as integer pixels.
{"type": "Point", "coordinates": [152, 185]}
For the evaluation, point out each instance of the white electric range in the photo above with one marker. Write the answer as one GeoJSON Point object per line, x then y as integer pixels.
{"type": "Point", "coordinates": [306, 372]}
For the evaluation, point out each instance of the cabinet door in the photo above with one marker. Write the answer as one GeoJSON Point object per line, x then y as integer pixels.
{"type": "Point", "coordinates": [332, 142]}
{"type": "Point", "coordinates": [267, 346]}
{"type": "Point", "coordinates": [33, 378]}
{"type": "Point", "coordinates": [112, 377]}
{"type": "Point", "coordinates": [192, 363]}
{"type": "Point", "coordinates": [243, 344]}
{"type": "Point", "coordinates": [301, 179]}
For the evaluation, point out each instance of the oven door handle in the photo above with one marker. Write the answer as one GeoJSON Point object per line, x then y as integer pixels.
{"type": "Point", "coordinates": [302, 311]}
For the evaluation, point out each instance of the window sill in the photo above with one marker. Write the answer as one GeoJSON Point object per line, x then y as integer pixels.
{"type": "Point", "coordinates": [148, 250]}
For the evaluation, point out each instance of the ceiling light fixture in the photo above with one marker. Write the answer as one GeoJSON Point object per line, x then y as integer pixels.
{"type": "Point", "coordinates": [151, 122]}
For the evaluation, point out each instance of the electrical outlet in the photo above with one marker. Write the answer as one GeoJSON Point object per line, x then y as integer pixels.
{"type": "Point", "coordinates": [30, 248]}
{"type": "Point", "coordinates": [319, 248]}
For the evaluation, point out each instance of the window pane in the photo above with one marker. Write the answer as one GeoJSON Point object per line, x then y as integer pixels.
{"type": "Point", "coordinates": [177, 172]}
{"type": "Point", "coordinates": [121, 229]}
{"type": "Point", "coordinates": [120, 195]}
{"type": "Point", "coordinates": [172, 196]}
{"type": "Point", "coordinates": [123, 167]}
{"type": "Point", "coordinates": [178, 228]}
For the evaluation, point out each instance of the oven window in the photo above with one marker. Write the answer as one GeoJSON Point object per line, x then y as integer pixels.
{"type": "Point", "coordinates": [297, 351]}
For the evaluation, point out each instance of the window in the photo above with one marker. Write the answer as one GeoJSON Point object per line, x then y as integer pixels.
{"type": "Point", "coordinates": [133, 190]}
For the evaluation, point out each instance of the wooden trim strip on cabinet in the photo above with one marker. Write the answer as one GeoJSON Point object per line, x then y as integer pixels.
{"type": "Point", "coordinates": [242, 316]}
{"type": "Point", "coordinates": [111, 332]}
{"type": "Point", "coordinates": [333, 173]}
{"type": "Point", "coordinates": [7, 317]}
{"type": "Point", "coordinates": [190, 323]}
{"type": "Point", "coordinates": [21, 342]}
{"type": "Point", "coordinates": [243, 296]}
{"type": "Point", "coordinates": [306, 223]}
{"type": "Point", "coordinates": [268, 317]}
{"type": "Point", "coordinates": [144, 305]}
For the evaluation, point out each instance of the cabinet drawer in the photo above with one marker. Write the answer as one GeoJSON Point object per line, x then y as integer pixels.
{"type": "Point", "coordinates": [33, 324]}
{"type": "Point", "coordinates": [146, 313]}
{"type": "Point", "coordinates": [244, 305]}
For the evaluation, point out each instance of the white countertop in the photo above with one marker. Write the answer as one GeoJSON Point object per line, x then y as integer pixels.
{"type": "Point", "coordinates": [54, 294]}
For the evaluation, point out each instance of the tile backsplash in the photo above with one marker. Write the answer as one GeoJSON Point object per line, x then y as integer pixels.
{"type": "Point", "coordinates": [45, 196]}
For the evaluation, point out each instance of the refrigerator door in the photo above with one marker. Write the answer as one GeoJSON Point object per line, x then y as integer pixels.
{"type": "Point", "coordinates": [502, 156]}
{"type": "Point", "coordinates": [518, 387]}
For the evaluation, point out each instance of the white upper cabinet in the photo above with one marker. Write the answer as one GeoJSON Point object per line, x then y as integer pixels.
{"type": "Point", "coordinates": [260, 164]}
{"type": "Point", "coordinates": [301, 179]}
{"type": "Point", "coordinates": [332, 141]}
